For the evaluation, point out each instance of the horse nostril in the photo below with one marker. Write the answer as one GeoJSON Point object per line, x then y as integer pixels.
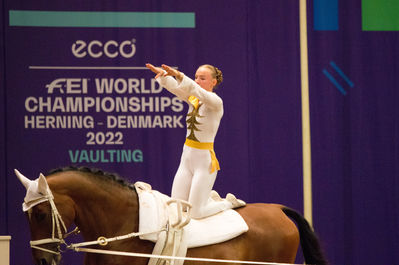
{"type": "Point", "coordinates": [43, 262]}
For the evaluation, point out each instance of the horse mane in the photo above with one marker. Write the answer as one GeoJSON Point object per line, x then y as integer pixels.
{"type": "Point", "coordinates": [96, 174]}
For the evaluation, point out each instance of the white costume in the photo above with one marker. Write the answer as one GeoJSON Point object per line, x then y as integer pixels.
{"type": "Point", "coordinates": [198, 167]}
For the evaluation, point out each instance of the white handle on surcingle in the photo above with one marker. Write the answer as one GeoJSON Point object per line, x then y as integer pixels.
{"type": "Point", "coordinates": [24, 180]}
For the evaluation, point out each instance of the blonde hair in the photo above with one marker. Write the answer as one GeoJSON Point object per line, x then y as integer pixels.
{"type": "Point", "coordinates": [216, 73]}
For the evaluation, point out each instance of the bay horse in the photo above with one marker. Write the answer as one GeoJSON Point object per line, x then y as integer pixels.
{"type": "Point", "coordinates": [103, 204]}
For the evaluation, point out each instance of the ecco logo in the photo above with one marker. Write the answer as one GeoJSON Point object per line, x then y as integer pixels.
{"type": "Point", "coordinates": [71, 86]}
{"type": "Point", "coordinates": [111, 49]}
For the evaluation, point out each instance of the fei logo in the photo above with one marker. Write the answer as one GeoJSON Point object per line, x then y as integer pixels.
{"type": "Point", "coordinates": [68, 86]}
{"type": "Point", "coordinates": [110, 49]}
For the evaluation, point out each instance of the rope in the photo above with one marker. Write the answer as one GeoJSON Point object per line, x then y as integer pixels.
{"type": "Point", "coordinates": [143, 255]}
{"type": "Point", "coordinates": [104, 241]}
{"type": "Point", "coordinates": [47, 250]}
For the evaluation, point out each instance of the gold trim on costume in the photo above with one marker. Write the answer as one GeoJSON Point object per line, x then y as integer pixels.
{"type": "Point", "coordinates": [192, 118]}
{"type": "Point", "coordinates": [194, 101]}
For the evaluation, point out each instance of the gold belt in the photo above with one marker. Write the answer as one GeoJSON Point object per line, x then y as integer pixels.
{"type": "Point", "coordinates": [205, 146]}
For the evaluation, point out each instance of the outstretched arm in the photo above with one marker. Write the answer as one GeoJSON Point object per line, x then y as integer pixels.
{"type": "Point", "coordinates": [164, 78]}
{"type": "Point", "coordinates": [183, 87]}
{"type": "Point", "coordinates": [192, 88]}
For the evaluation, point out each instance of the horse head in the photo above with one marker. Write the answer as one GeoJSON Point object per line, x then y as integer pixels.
{"type": "Point", "coordinates": [44, 210]}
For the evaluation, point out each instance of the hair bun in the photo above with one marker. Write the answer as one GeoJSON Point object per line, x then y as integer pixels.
{"type": "Point", "coordinates": [218, 75]}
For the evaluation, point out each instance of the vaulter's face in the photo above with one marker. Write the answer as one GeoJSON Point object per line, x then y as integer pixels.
{"type": "Point", "coordinates": [203, 77]}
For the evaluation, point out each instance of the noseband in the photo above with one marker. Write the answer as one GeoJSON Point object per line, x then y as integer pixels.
{"type": "Point", "coordinates": [57, 223]}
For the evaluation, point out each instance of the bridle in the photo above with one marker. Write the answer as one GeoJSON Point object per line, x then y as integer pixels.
{"type": "Point", "coordinates": [57, 225]}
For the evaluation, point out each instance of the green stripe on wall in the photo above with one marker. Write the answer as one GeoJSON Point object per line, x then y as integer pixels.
{"type": "Point", "coordinates": [380, 15]}
{"type": "Point", "coordinates": [28, 18]}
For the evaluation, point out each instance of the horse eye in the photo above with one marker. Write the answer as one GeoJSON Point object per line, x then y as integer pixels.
{"type": "Point", "coordinates": [40, 216]}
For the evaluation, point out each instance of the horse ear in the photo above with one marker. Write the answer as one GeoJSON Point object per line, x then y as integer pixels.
{"type": "Point", "coordinates": [42, 184]}
{"type": "Point", "coordinates": [24, 180]}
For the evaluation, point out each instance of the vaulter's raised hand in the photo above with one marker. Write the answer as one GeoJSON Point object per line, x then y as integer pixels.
{"type": "Point", "coordinates": [165, 71]}
{"type": "Point", "coordinates": [156, 70]}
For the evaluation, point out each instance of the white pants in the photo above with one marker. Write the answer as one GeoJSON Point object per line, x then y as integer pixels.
{"type": "Point", "coordinates": [193, 182]}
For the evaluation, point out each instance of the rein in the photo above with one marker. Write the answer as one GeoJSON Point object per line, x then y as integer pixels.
{"type": "Point", "coordinates": [164, 257]}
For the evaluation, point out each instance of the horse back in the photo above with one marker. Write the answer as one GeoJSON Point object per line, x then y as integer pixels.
{"type": "Point", "coordinates": [272, 236]}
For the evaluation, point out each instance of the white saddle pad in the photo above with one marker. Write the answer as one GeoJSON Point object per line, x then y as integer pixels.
{"type": "Point", "coordinates": [217, 228]}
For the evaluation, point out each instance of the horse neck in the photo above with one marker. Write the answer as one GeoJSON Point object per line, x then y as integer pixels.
{"type": "Point", "coordinates": [101, 209]}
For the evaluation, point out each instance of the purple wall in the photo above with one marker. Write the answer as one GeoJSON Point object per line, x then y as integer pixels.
{"type": "Point", "coordinates": [355, 140]}
{"type": "Point", "coordinates": [259, 144]}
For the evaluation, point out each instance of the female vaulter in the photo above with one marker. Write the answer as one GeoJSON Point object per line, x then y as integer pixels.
{"type": "Point", "coordinates": [198, 167]}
